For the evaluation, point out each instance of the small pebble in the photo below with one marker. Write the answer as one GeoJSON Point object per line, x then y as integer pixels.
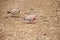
{"type": "Point", "coordinates": [56, 19]}
{"type": "Point", "coordinates": [8, 12]}
{"type": "Point", "coordinates": [14, 34]}
{"type": "Point", "coordinates": [44, 34]}
{"type": "Point", "coordinates": [31, 8]}
{"type": "Point", "coordinates": [30, 30]}
{"type": "Point", "coordinates": [56, 10]}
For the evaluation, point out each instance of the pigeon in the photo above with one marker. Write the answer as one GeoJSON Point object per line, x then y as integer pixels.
{"type": "Point", "coordinates": [14, 12]}
{"type": "Point", "coordinates": [30, 18]}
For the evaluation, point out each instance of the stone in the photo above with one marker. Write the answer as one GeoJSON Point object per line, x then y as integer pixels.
{"type": "Point", "coordinates": [31, 8]}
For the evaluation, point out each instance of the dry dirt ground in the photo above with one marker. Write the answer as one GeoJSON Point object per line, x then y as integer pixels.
{"type": "Point", "coordinates": [47, 26]}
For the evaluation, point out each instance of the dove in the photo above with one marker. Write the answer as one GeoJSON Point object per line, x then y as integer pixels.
{"type": "Point", "coordinates": [30, 18]}
{"type": "Point", "coordinates": [14, 12]}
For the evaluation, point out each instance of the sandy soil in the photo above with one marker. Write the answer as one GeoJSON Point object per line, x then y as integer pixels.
{"type": "Point", "coordinates": [47, 26]}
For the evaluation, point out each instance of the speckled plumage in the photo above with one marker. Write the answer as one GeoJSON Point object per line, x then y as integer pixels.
{"type": "Point", "coordinates": [14, 11]}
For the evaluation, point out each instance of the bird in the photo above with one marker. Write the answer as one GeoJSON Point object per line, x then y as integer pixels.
{"type": "Point", "coordinates": [30, 18]}
{"type": "Point", "coordinates": [14, 12]}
